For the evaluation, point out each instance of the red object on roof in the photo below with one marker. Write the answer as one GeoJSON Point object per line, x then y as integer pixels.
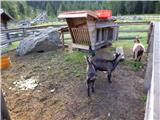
{"type": "Point", "coordinates": [103, 13]}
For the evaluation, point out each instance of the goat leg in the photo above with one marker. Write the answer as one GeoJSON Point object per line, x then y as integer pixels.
{"type": "Point", "coordinates": [88, 87]}
{"type": "Point", "coordinates": [93, 86]}
{"type": "Point", "coordinates": [109, 78]}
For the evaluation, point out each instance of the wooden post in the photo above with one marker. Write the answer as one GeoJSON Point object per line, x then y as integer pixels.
{"type": "Point", "coordinates": [150, 34]}
{"type": "Point", "coordinates": [153, 98]}
{"type": "Point", "coordinates": [62, 33]}
{"type": "Point", "coordinates": [24, 32]}
{"type": "Point", "coordinates": [4, 110]}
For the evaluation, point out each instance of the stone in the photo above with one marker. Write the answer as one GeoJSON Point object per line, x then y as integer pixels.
{"type": "Point", "coordinates": [47, 39]}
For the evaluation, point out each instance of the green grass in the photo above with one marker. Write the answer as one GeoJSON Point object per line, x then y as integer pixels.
{"type": "Point", "coordinates": [10, 47]}
{"type": "Point", "coordinates": [75, 57]}
{"type": "Point", "coordinates": [128, 43]}
{"type": "Point", "coordinates": [134, 65]}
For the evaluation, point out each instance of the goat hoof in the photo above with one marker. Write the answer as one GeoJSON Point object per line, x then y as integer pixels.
{"type": "Point", "coordinates": [93, 91]}
{"type": "Point", "coordinates": [110, 82]}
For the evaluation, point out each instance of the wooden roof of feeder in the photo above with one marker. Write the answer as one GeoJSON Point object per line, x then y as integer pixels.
{"type": "Point", "coordinates": [83, 14]}
{"type": "Point", "coordinates": [77, 14]}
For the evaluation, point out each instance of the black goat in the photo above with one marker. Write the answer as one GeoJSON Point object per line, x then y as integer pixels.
{"type": "Point", "coordinates": [91, 75]}
{"type": "Point", "coordinates": [104, 65]}
{"type": "Point", "coordinates": [94, 64]}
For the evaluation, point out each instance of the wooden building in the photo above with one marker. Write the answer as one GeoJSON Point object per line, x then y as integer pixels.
{"type": "Point", "coordinates": [87, 29]}
{"type": "Point", "coordinates": [5, 18]}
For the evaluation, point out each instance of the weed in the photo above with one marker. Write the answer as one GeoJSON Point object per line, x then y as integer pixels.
{"type": "Point", "coordinates": [143, 98]}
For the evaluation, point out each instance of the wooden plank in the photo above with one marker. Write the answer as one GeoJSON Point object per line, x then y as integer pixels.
{"type": "Point", "coordinates": [81, 35]}
{"type": "Point", "coordinates": [85, 47]}
{"type": "Point", "coordinates": [86, 36]}
{"type": "Point", "coordinates": [11, 40]}
{"type": "Point", "coordinates": [148, 74]}
{"type": "Point", "coordinates": [106, 25]}
{"type": "Point", "coordinates": [4, 110]}
{"type": "Point", "coordinates": [62, 40]}
{"type": "Point", "coordinates": [33, 27]}
{"type": "Point", "coordinates": [133, 23]}
{"type": "Point", "coordinates": [126, 37]}
{"type": "Point", "coordinates": [128, 31]}
{"type": "Point", "coordinates": [153, 99]}
{"type": "Point", "coordinates": [156, 72]}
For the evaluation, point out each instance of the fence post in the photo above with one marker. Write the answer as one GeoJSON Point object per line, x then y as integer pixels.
{"type": "Point", "coordinates": [24, 33]}
{"type": "Point", "coordinates": [4, 110]}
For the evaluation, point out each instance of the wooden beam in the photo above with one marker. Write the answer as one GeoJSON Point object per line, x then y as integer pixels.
{"type": "Point", "coordinates": [33, 27]}
{"type": "Point", "coordinates": [85, 47]}
{"type": "Point", "coordinates": [133, 23]}
{"type": "Point", "coordinates": [153, 99]}
{"type": "Point", "coordinates": [4, 111]}
{"type": "Point", "coordinates": [132, 37]}
{"type": "Point", "coordinates": [11, 40]}
{"type": "Point", "coordinates": [128, 31]}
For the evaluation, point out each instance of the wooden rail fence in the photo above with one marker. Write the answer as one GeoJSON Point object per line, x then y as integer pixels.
{"type": "Point", "coordinates": [152, 77]}
{"type": "Point", "coordinates": [18, 34]}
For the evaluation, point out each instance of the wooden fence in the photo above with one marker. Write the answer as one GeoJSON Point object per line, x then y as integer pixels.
{"type": "Point", "coordinates": [152, 77]}
{"type": "Point", "coordinates": [18, 34]}
{"type": "Point", "coordinates": [139, 17]}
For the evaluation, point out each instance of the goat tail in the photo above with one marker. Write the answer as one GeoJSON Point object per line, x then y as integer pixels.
{"type": "Point", "coordinates": [92, 52]}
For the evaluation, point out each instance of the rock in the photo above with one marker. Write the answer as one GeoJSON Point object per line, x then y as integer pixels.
{"type": "Point", "coordinates": [52, 90]}
{"type": "Point", "coordinates": [48, 39]}
{"type": "Point", "coordinates": [109, 114]}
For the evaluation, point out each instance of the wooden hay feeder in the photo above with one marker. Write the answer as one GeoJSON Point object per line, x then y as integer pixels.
{"type": "Point", "coordinates": [87, 29]}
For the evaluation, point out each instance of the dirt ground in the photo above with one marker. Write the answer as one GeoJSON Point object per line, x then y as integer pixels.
{"type": "Point", "coordinates": [120, 100]}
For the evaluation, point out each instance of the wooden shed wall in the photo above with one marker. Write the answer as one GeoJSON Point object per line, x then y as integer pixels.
{"type": "Point", "coordinates": [92, 32]}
